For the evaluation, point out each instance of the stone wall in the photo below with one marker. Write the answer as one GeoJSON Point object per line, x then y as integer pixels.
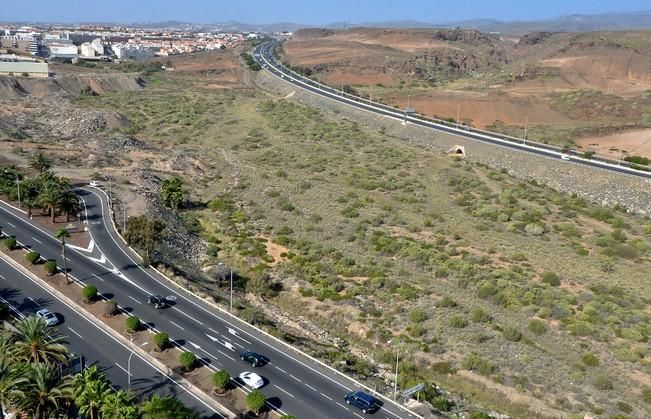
{"type": "Point", "coordinates": [597, 185]}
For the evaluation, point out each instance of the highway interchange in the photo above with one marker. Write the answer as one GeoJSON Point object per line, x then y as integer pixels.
{"type": "Point", "coordinates": [296, 384]}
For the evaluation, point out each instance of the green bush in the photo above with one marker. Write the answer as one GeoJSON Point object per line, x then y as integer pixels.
{"type": "Point", "coordinates": [162, 340]}
{"type": "Point", "coordinates": [33, 257]}
{"type": "Point", "coordinates": [480, 415]}
{"type": "Point", "coordinates": [537, 327]}
{"type": "Point", "coordinates": [10, 243]}
{"type": "Point", "coordinates": [590, 359]}
{"type": "Point", "coordinates": [187, 360]}
{"type": "Point", "coordinates": [441, 403]}
{"type": "Point", "coordinates": [479, 315]}
{"type": "Point", "coordinates": [288, 417]}
{"type": "Point", "coordinates": [89, 292]}
{"type": "Point", "coordinates": [624, 407]}
{"type": "Point", "coordinates": [603, 382]}
{"type": "Point", "coordinates": [220, 380]}
{"type": "Point", "coordinates": [646, 394]}
{"type": "Point", "coordinates": [418, 315]}
{"type": "Point", "coordinates": [133, 323]}
{"type": "Point", "coordinates": [50, 267]}
{"type": "Point", "coordinates": [458, 322]}
{"type": "Point", "coordinates": [256, 400]}
{"type": "Point", "coordinates": [446, 302]}
{"type": "Point", "coordinates": [551, 278]}
{"type": "Point", "coordinates": [476, 363]}
{"type": "Point", "coordinates": [511, 333]}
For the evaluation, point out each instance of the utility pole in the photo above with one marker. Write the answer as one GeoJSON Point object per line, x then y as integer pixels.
{"type": "Point", "coordinates": [18, 185]}
{"type": "Point", "coordinates": [231, 305]}
{"type": "Point", "coordinates": [129, 368]}
{"type": "Point", "coordinates": [395, 379]}
{"type": "Point", "coordinates": [526, 125]}
{"type": "Point", "coordinates": [124, 217]}
{"type": "Point", "coordinates": [458, 114]}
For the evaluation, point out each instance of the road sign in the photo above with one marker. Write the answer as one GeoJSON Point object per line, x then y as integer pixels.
{"type": "Point", "coordinates": [413, 390]}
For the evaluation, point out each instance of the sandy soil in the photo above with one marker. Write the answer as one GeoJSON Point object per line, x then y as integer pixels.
{"type": "Point", "coordinates": [632, 143]}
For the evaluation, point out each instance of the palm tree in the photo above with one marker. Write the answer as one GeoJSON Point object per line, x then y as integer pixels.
{"type": "Point", "coordinates": [45, 392]}
{"type": "Point", "coordinates": [62, 234]}
{"type": "Point", "coordinates": [165, 408]}
{"type": "Point", "coordinates": [34, 341]}
{"type": "Point", "coordinates": [119, 405]}
{"type": "Point", "coordinates": [40, 161]}
{"type": "Point", "coordinates": [12, 378]}
{"type": "Point", "coordinates": [69, 204]}
{"type": "Point", "coordinates": [29, 204]}
{"type": "Point", "coordinates": [50, 198]}
{"type": "Point", "coordinates": [91, 391]}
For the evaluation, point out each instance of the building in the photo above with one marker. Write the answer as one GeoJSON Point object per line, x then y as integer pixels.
{"type": "Point", "coordinates": [64, 51]}
{"type": "Point", "coordinates": [98, 46]}
{"type": "Point", "coordinates": [87, 50]}
{"type": "Point", "coordinates": [135, 52]}
{"type": "Point", "coordinates": [22, 68]}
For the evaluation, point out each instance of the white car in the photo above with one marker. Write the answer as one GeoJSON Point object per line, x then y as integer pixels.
{"type": "Point", "coordinates": [565, 156]}
{"type": "Point", "coordinates": [252, 380]}
{"type": "Point", "coordinates": [50, 318]}
{"type": "Point", "coordinates": [94, 183]}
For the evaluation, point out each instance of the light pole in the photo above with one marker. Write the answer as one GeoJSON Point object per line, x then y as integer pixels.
{"type": "Point", "coordinates": [395, 378]}
{"type": "Point", "coordinates": [129, 368]}
{"type": "Point", "coordinates": [231, 300]}
{"type": "Point", "coordinates": [458, 114]}
{"type": "Point", "coordinates": [526, 125]}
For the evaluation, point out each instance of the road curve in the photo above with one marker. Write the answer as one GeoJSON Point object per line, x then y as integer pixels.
{"type": "Point", "coordinates": [263, 54]}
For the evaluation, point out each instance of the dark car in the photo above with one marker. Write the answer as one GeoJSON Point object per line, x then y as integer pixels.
{"type": "Point", "coordinates": [157, 301]}
{"type": "Point", "coordinates": [365, 402]}
{"type": "Point", "coordinates": [255, 359]}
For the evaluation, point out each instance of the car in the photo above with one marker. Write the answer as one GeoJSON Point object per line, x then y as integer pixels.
{"type": "Point", "coordinates": [94, 183]}
{"type": "Point", "coordinates": [158, 301]}
{"type": "Point", "coordinates": [364, 401]}
{"type": "Point", "coordinates": [50, 318]}
{"type": "Point", "coordinates": [252, 380]}
{"type": "Point", "coordinates": [565, 156]}
{"type": "Point", "coordinates": [253, 358]}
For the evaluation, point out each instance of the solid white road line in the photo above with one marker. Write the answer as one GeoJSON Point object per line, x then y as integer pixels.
{"type": "Point", "coordinates": [134, 299]}
{"type": "Point", "coordinates": [285, 391]}
{"type": "Point", "coordinates": [187, 315]}
{"type": "Point", "coordinates": [176, 325]}
{"type": "Point", "coordinates": [73, 331]}
{"type": "Point", "coordinates": [295, 378]}
{"type": "Point", "coordinates": [327, 397]}
{"type": "Point", "coordinates": [310, 387]}
{"type": "Point", "coordinates": [37, 240]}
{"type": "Point", "coordinates": [123, 369]}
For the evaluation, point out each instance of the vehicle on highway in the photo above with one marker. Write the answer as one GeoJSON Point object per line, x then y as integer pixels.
{"type": "Point", "coordinates": [158, 301]}
{"type": "Point", "coordinates": [94, 183]}
{"type": "Point", "coordinates": [253, 358]}
{"type": "Point", "coordinates": [50, 318]}
{"type": "Point", "coordinates": [252, 380]}
{"type": "Point", "coordinates": [364, 401]}
{"type": "Point", "coordinates": [565, 156]}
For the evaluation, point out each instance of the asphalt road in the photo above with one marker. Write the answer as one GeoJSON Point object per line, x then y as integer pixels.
{"type": "Point", "coordinates": [98, 347]}
{"type": "Point", "coordinates": [263, 54]}
{"type": "Point", "coordinates": [295, 384]}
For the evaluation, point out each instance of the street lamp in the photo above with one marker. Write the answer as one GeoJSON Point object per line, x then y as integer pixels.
{"type": "Point", "coordinates": [395, 379]}
{"type": "Point", "coordinates": [129, 368]}
{"type": "Point", "coordinates": [231, 302]}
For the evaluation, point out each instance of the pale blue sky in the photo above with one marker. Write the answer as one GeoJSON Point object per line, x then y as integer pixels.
{"type": "Point", "coordinates": [306, 11]}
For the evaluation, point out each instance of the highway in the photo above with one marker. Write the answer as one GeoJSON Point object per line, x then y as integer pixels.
{"type": "Point", "coordinates": [263, 54]}
{"type": "Point", "coordinates": [98, 347]}
{"type": "Point", "coordinates": [295, 384]}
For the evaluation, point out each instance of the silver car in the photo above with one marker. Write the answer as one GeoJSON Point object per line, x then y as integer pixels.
{"type": "Point", "coordinates": [50, 318]}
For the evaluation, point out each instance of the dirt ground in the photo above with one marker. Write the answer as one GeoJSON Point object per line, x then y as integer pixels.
{"type": "Point", "coordinates": [633, 143]}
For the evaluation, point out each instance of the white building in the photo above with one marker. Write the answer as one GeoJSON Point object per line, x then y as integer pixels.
{"type": "Point", "coordinates": [58, 50]}
{"type": "Point", "coordinates": [98, 46]}
{"type": "Point", "coordinates": [87, 50]}
{"type": "Point", "coordinates": [135, 52]}
{"type": "Point", "coordinates": [23, 68]}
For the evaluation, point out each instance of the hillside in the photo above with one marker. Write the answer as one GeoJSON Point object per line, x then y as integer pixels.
{"type": "Point", "coordinates": [495, 82]}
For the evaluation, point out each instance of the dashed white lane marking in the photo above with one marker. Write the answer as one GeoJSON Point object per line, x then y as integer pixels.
{"type": "Point", "coordinates": [278, 368]}
{"type": "Point", "coordinates": [310, 387]}
{"type": "Point", "coordinates": [176, 325]}
{"type": "Point", "coordinates": [33, 301]}
{"type": "Point", "coordinates": [2, 277]}
{"type": "Point", "coordinates": [226, 355]}
{"type": "Point", "coordinates": [285, 391]}
{"type": "Point", "coordinates": [327, 397]}
{"type": "Point", "coordinates": [187, 315]}
{"type": "Point", "coordinates": [359, 416]}
{"type": "Point", "coordinates": [295, 378]}
{"type": "Point", "coordinates": [11, 225]}
{"type": "Point", "coordinates": [37, 240]}
{"type": "Point", "coordinates": [122, 368]}
{"type": "Point", "coordinates": [98, 277]}
{"type": "Point", "coordinates": [73, 331]}
{"type": "Point", "coordinates": [342, 405]}
{"type": "Point", "coordinates": [134, 299]}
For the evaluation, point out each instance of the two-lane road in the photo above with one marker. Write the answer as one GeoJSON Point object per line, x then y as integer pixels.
{"type": "Point", "coordinates": [296, 384]}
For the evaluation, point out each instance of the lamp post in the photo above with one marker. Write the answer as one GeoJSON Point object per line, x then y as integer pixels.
{"type": "Point", "coordinates": [526, 125]}
{"type": "Point", "coordinates": [231, 300]}
{"type": "Point", "coordinates": [129, 368]}
{"type": "Point", "coordinates": [395, 378]}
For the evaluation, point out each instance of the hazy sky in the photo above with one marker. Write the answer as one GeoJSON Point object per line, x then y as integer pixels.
{"type": "Point", "coordinates": [306, 11]}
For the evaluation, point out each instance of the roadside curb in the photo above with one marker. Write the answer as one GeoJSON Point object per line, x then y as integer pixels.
{"type": "Point", "coordinates": [133, 347]}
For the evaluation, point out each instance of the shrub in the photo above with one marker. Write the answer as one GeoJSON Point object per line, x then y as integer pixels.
{"type": "Point", "coordinates": [476, 363]}
{"type": "Point", "coordinates": [512, 334]}
{"type": "Point", "coordinates": [442, 403]}
{"type": "Point", "coordinates": [603, 382]}
{"type": "Point", "coordinates": [537, 327]}
{"type": "Point", "coordinates": [89, 292]}
{"type": "Point", "coordinates": [133, 323]}
{"type": "Point", "coordinates": [551, 278]}
{"type": "Point", "coordinates": [162, 340]}
{"type": "Point", "coordinates": [446, 302]}
{"type": "Point", "coordinates": [187, 360]}
{"type": "Point", "coordinates": [110, 308]}
{"type": "Point", "coordinates": [458, 322]}
{"type": "Point", "coordinates": [590, 359]}
{"type": "Point", "coordinates": [256, 400]}
{"type": "Point", "coordinates": [288, 417]}
{"type": "Point", "coordinates": [33, 257]}
{"type": "Point", "coordinates": [220, 380]}
{"type": "Point", "coordinates": [10, 243]}
{"type": "Point", "coordinates": [624, 407]}
{"type": "Point", "coordinates": [418, 315]}
{"type": "Point", "coordinates": [480, 415]}
{"type": "Point", "coordinates": [479, 315]}
{"type": "Point", "coordinates": [646, 394]}
{"type": "Point", "coordinates": [50, 267]}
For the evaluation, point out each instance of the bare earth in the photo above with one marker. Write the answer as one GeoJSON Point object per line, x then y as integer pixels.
{"type": "Point", "coordinates": [633, 143]}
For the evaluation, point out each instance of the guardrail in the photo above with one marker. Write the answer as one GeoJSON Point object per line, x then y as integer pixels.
{"type": "Point", "coordinates": [262, 52]}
